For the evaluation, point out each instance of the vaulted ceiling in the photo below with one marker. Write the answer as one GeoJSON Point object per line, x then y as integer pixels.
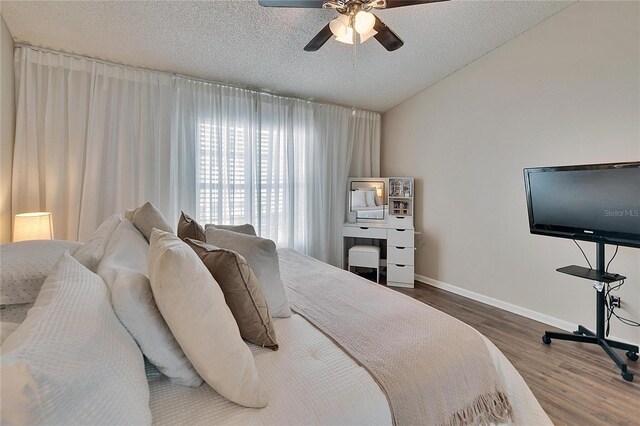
{"type": "Point", "coordinates": [241, 43]}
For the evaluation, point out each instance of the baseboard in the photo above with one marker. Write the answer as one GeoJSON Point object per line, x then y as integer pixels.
{"type": "Point", "coordinates": [509, 307]}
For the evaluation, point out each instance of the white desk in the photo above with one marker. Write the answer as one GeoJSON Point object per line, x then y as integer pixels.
{"type": "Point", "coordinates": [398, 233]}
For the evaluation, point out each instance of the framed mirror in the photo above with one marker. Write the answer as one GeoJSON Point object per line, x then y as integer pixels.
{"type": "Point", "coordinates": [368, 198]}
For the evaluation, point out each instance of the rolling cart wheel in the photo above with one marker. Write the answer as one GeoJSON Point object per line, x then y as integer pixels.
{"type": "Point", "coordinates": [627, 376]}
{"type": "Point", "coordinates": [546, 339]}
{"type": "Point", "coordinates": [632, 356]}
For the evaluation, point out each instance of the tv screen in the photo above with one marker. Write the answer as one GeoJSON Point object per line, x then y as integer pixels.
{"type": "Point", "coordinates": [596, 202]}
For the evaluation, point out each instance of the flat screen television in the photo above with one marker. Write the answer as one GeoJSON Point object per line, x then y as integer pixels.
{"type": "Point", "coordinates": [595, 202]}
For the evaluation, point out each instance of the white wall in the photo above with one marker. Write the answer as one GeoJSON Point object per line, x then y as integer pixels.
{"type": "Point", "coordinates": [7, 129]}
{"type": "Point", "coordinates": [565, 92]}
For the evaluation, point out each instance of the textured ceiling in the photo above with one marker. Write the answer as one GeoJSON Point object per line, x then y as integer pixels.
{"type": "Point", "coordinates": [241, 43]}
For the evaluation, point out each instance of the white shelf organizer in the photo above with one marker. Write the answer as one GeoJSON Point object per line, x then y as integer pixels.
{"type": "Point", "coordinates": [400, 235]}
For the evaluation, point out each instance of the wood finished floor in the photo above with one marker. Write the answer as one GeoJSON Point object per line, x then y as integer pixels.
{"type": "Point", "coordinates": [576, 384]}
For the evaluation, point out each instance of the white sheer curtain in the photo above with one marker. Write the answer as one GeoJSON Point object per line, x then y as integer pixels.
{"type": "Point", "coordinates": [94, 138]}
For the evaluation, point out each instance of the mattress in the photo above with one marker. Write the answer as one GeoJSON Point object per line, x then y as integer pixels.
{"type": "Point", "coordinates": [309, 380]}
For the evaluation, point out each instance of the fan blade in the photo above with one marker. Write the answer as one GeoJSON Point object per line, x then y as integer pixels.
{"type": "Point", "coordinates": [320, 39]}
{"type": "Point", "coordinates": [312, 4]}
{"type": "Point", "coordinates": [402, 3]}
{"type": "Point", "coordinates": [386, 37]}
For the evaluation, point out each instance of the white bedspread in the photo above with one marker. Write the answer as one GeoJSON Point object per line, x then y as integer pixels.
{"type": "Point", "coordinates": [309, 380]}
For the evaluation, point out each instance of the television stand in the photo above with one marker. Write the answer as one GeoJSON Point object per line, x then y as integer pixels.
{"type": "Point", "coordinates": [583, 334]}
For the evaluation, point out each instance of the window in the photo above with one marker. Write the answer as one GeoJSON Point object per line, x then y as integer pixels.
{"type": "Point", "coordinates": [223, 182]}
{"type": "Point", "coordinates": [242, 179]}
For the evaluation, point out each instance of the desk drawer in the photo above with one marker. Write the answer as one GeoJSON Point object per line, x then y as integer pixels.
{"type": "Point", "coordinates": [400, 273]}
{"type": "Point", "coordinates": [400, 255]}
{"type": "Point", "coordinates": [364, 232]}
{"type": "Point", "coordinates": [401, 222]}
{"type": "Point", "coordinates": [400, 238]}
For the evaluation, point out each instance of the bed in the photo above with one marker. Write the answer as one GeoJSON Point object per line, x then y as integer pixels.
{"type": "Point", "coordinates": [311, 379]}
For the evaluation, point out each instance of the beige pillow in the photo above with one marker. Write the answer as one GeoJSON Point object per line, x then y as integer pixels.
{"type": "Point", "coordinates": [193, 306]}
{"type": "Point", "coordinates": [189, 228]}
{"type": "Point", "coordinates": [241, 292]}
{"type": "Point", "coordinates": [148, 217]}
{"type": "Point", "coordinates": [128, 214]}
{"type": "Point", "coordinates": [246, 229]}
{"type": "Point", "coordinates": [262, 256]}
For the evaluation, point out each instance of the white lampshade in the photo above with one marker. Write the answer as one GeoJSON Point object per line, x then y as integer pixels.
{"type": "Point", "coordinates": [347, 37]}
{"type": "Point", "coordinates": [33, 226]}
{"type": "Point", "coordinates": [339, 25]}
{"type": "Point", "coordinates": [364, 22]}
{"type": "Point", "coordinates": [367, 36]}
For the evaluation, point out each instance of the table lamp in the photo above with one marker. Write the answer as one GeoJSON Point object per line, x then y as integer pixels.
{"type": "Point", "coordinates": [32, 226]}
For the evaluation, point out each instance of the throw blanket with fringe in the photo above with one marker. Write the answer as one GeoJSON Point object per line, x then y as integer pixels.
{"type": "Point", "coordinates": [433, 368]}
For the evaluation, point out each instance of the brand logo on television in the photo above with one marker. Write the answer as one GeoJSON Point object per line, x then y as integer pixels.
{"type": "Point", "coordinates": [621, 213]}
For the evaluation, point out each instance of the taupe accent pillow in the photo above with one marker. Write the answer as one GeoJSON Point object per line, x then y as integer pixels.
{"type": "Point", "coordinates": [241, 291]}
{"type": "Point", "coordinates": [148, 217]}
{"type": "Point", "coordinates": [246, 229]}
{"type": "Point", "coordinates": [262, 256]}
{"type": "Point", "coordinates": [189, 228]}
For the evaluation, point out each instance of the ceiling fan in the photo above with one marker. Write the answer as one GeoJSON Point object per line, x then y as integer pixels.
{"type": "Point", "coordinates": [355, 19]}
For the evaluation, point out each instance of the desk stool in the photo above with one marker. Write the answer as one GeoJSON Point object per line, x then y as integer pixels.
{"type": "Point", "coordinates": [365, 256]}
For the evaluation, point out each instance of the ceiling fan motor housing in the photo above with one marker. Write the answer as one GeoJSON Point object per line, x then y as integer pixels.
{"type": "Point", "coordinates": [352, 7]}
{"type": "Point", "coordinates": [366, 24]}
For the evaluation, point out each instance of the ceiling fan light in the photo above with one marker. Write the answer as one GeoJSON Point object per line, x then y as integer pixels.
{"type": "Point", "coordinates": [367, 36]}
{"type": "Point", "coordinates": [347, 37]}
{"type": "Point", "coordinates": [365, 22]}
{"type": "Point", "coordinates": [339, 25]}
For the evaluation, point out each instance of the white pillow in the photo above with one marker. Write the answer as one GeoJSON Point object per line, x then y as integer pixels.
{"type": "Point", "coordinates": [193, 305]}
{"type": "Point", "coordinates": [6, 328]}
{"type": "Point", "coordinates": [15, 313]}
{"type": "Point", "coordinates": [358, 199]}
{"type": "Point", "coordinates": [262, 256]}
{"type": "Point", "coordinates": [71, 361]}
{"type": "Point", "coordinates": [91, 252]}
{"type": "Point", "coordinates": [246, 228]}
{"type": "Point", "coordinates": [370, 198]}
{"type": "Point", "coordinates": [25, 265]}
{"type": "Point", "coordinates": [124, 269]}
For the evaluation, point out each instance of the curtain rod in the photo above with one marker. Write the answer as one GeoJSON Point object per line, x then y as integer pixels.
{"type": "Point", "coordinates": [187, 77]}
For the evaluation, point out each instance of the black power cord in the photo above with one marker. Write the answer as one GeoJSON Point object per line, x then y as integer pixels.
{"type": "Point", "coordinates": [609, 306]}
{"type": "Point", "coordinates": [585, 256]}
{"type": "Point", "coordinates": [611, 309]}
{"type": "Point", "coordinates": [606, 270]}
{"type": "Point", "coordinates": [608, 289]}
